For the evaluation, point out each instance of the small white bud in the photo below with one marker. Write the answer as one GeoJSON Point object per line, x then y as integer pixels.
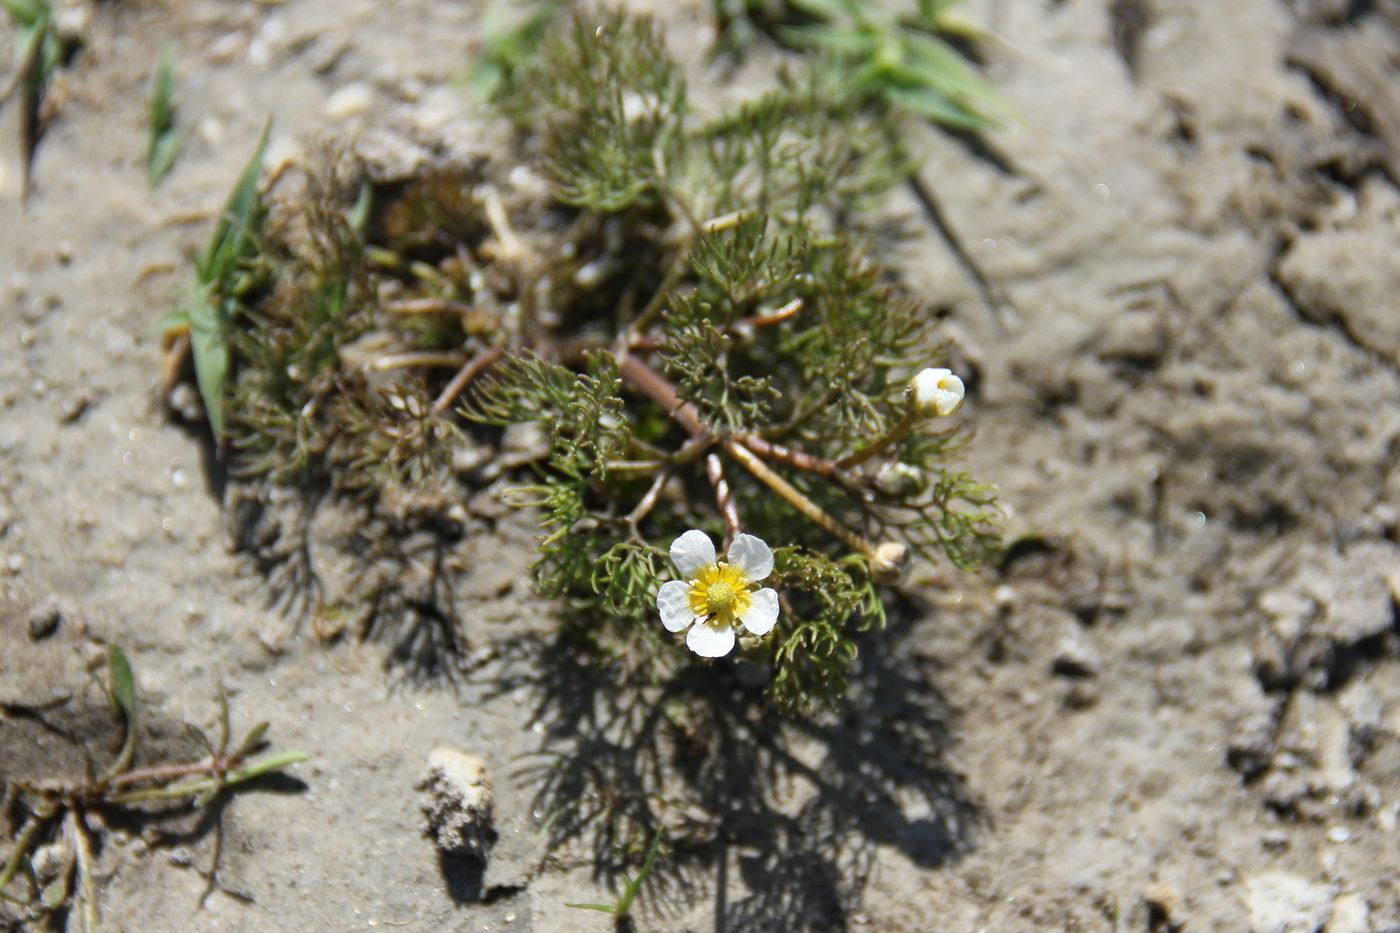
{"type": "Point", "coordinates": [901, 480]}
{"type": "Point", "coordinates": [888, 561]}
{"type": "Point", "coordinates": [936, 392]}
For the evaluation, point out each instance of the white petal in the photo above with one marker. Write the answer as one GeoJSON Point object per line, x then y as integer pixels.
{"type": "Point", "coordinates": [710, 641]}
{"type": "Point", "coordinates": [762, 613]}
{"type": "Point", "coordinates": [673, 600]}
{"type": "Point", "coordinates": [752, 556]}
{"type": "Point", "coordinates": [693, 552]}
{"type": "Point", "coordinates": [938, 392]}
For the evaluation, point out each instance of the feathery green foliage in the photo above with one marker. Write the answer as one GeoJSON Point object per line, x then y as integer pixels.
{"type": "Point", "coordinates": [761, 324]}
{"type": "Point", "coordinates": [609, 107]}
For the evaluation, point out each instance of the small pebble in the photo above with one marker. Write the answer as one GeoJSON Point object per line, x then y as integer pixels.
{"type": "Point", "coordinates": [73, 408]}
{"type": "Point", "coordinates": [1350, 914]}
{"type": "Point", "coordinates": [44, 620]}
{"type": "Point", "coordinates": [226, 48]}
{"type": "Point", "coordinates": [1163, 901]}
{"type": "Point", "coordinates": [458, 802]}
{"type": "Point", "coordinates": [1075, 654]}
{"type": "Point", "coordinates": [352, 100]}
{"type": "Point", "coordinates": [185, 402]}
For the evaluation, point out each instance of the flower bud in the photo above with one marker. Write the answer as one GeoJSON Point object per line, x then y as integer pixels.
{"type": "Point", "coordinates": [936, 392]}
{"type": "Point", "coordinates": [901, 480]}
{"type": "Point", "coordinates": [888, 561]}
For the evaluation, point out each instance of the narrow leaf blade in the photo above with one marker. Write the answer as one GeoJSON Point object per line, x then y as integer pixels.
{"type": "Point", "coordinates": [121, 685]}
{"type": "Point", "coordinates": [236, 220]}
{"type": "Point", "coordinates": [208, 343]}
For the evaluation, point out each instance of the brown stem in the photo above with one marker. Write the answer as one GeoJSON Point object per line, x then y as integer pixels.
{"type": "Point", "coordinates": [656, 387]}
{"type": "Point", "coordinates": [162, 773]}
{"type": "Point", "coordinates": [853, 482]}
{"type": "Point", "coordinates": [797, 499]}
{"type": "Point", "coordinates": [724, 498]}
{"type": "Point", "coordinates": [648, 502]}
{"type": "Point", "coordinates": [798, 459]}
{"type": "Point", "coordinates": [470, 370]}
{"type": "Point", "coordinates": [153, 775]}
{"type": "Point", "coordinates": [646, 343]}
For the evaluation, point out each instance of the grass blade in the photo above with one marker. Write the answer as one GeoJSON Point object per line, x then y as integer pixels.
{"type": "Point", "coordinates": [238, 220]}
{"type": "Point", "coordinates": [933, 105]}
{"type": "Point", "coordinates": [121, 690]}
{"type": "Point", "coordinates": [209, 345]}
{"type": "Point", "coordinates": [164, 141]}
{"type": "Point", "coordinates": [121, 685]}
{"type": "Point", "coordinates": [602, 908]}
{"type": "Point", "coordinates": [634, 886]}
{"type": "Point", "coordinates": [164, 149]}
{"type": "Point", "coordinates": [253, 740]}
{"type": "Point", "coordinates": [25, 12]}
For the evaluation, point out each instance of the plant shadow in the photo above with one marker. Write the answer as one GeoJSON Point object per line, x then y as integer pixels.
{"type": "Point", "coordinates": [799, 805]}
{"type": "Point", "coordinates": [372, 575]}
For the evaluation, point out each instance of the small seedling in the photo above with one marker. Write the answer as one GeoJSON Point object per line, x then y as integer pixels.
{"type": "Point", "coordinates": [164, 139]}
{"type": "Point", "coordinates": [507, 46]}
{"type": "Point", "coordinates": [69, 811]}
{"type": "Point", "coordinates": [41, 48]}
{"type": "Point", "coordinates": [631, 887]}
{"type": "Point", "coordinates": [223, 274]}
{"type": "Point", "coordinates": [901, 61]}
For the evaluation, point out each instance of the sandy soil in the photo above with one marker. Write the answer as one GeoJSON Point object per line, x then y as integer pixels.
{"type": "Point", "coordinates": [1178, 703]}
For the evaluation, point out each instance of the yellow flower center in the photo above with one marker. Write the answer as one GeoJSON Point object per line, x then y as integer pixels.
{"type": "Point", "coordinates": [720, 592]}
{"type": "Point", "coordinates": [720, 596]}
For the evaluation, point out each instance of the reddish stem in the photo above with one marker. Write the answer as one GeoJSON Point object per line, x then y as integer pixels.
{"type": "Point", "coordinates": [470, 370]}
{"type": "Point", "coordinates": [724, 498]}
{"type": "Point", "coordinates": [656, 387]}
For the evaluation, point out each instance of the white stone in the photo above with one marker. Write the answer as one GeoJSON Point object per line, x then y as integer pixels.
{"type": "Point", "coordinates": [1282, 903]}
{"type": "Point", "coordinates": [352, 100]}
{"type": "Point", "coordinates": [1349, 914]}
{"type": "Point", "coordinates": [458, 805]}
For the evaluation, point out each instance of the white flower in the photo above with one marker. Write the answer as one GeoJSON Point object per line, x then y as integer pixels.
{"type": "Point", "coordinates": [937, 391]}
{"type": "Point", "coordinates": [716, 594]}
